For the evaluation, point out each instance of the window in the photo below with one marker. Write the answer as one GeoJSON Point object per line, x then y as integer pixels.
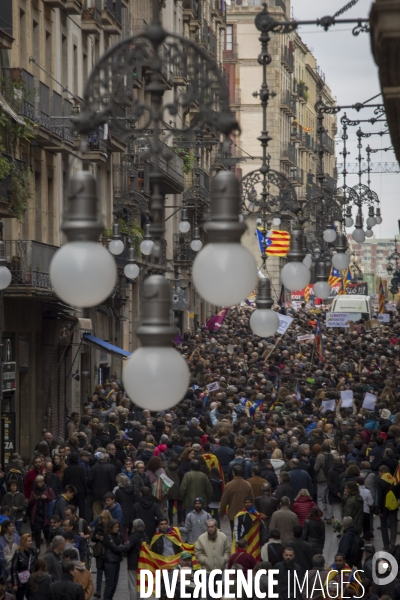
{"type": "Point", "coordinates": [229, 38]}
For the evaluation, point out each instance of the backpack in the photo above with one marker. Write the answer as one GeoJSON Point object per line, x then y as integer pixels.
{"type": "Point", "coordinates": [357, 549]}
{"type": "Point", "coordinates": [391, 502]}
{"type": "Point", "coordinates": [51, 507]}
{"type": "Point", "coordinates": [328, 463]}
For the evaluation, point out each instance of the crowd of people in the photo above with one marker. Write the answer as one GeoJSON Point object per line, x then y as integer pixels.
{"type": "Point", "coordinates": [261, 440]}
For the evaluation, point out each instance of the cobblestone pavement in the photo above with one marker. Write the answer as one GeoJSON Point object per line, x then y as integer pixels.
{"type": "Point", "coordinates": [331, 545]}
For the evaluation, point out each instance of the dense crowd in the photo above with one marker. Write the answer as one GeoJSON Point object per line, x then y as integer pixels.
{"type": "Point", "coordinates": [261, 450]}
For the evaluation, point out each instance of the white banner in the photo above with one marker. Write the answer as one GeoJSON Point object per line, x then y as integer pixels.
{"type": "Point", "coordinates": [284, 323]}
{"type": "Point", "coordinates": [334, 319]}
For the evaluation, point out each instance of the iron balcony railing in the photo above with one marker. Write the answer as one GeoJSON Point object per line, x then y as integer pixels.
{"type": "Point", "coordinates": [192, 5]}
{"type": "Point", "coordinates": [287, 57]}
{"type": "Point", "coordinates": [288, 101]}
{"type": "Point", "coordinates": [182, 249]}
{"type": "Point", "coordinates": [289, 151]}
{"type": "Point", "coordinates": [29, 262]}
{"type": "Point", "coordinates": [329, 183]}
{"type": "Point", "coordinates": [96, 141]}
{"type": "Point", "coordinates": [19, 90]}
{"type": "Point", "coordinates": [328, 143]}
{"type": "Point", "coordinates": [297, 175]}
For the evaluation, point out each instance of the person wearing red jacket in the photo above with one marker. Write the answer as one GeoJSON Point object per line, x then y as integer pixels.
{"type": "Point", "coordinates": [29, 481]}
{"type": "Point", "coordinates": [302, 505]}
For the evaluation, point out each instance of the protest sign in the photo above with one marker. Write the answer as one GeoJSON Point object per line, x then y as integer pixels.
{"type": "Point", "coordinates": [383, 318]}
{"type": "Point", "coordinates": [284, 323]}
{"type": "Point", "coordinates": [347, 399]}
{"type": "Point", "coordinates": [308, 337]}
{"type": "Point", "coordinates": [327, 405]}
{"type": "Point", "coordinates": [369, 401]}
{"type": "Point", "coordinates": [337, 320]}
{"type": "Point", "coordinates": [213, 387]}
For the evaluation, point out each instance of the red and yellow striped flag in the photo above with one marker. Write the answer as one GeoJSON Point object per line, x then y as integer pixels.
{"type": "Point", "coordinates": [152, 561]}
{"type": "Point", "coordinates": [276, 242]}
{"type": "Point", "coordinates": [212, 461]}
{"type": "Point", "coordinates": [252, 537]}
{"type": "Point", "coordinates": [381, 298]}
{"type": "Point", "coordinates": [307, 294]}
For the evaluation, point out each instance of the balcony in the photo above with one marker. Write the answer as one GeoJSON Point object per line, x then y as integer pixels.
{"type": "Point", "coordinates": [18, 88]}
{"type": "Point", "coordinates": [117, 143]}
{"type": "Point", "coordinates": [288, 103]}
{"type": "Point", "coordinates": [97, 146]}
{"type": "Point", "coordinates": [55, 3]}
{"type": "Point", "coordinates": [310, 144]}
{"type": "Point", "coordinates": [166, 70]}
{"type": "Point", "coordinates": [91, 21]}
{"type": "Point", "coordinates": [289, 154]}
{"type": "Point", "coordinates": [297, 176]}
{"type": "Point", "coordinates": [182, 250]}
{"type": "Point", "coordinates": [191, 14]}
{"type": "Point", "coordinates": [111, 17]}
{"type": "Point", "coordinates": [329, 183]}
{"type": "Point", "coordinates": [171, 169]}
{"type": "Point", "coordinates": [328, 143]}
{"type": "Point", "coordinates": [287, 58]}
{"type": "Point", "coordinates": [74, 7]}
{"type": "Point", "coordinates": [29, 263]}
{"type": "Point", "coordinates": [218, 11]}
{"type": "Point", "coordinates": [302, 92]}
{"type": "Point", "coordinates": [6, 25]}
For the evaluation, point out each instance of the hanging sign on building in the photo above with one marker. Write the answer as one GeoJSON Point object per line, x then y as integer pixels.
{"type": "Point", "coordinates": [7, 436]}
{"type": "Point", "coordinates": [9, 370]}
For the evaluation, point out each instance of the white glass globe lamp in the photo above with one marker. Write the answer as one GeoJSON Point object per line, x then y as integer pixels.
{"type": "Point", "coordinates": [322, 289]}
{"type": "Point", "coordinates": [156, 376]}
{"type": "Point", "coordinates": [83, 272]}
{"type": "Point", "coordinates": [5, 274]}
{"type": "Point", "coordinates": [369, 233]}
{"type": "Point", "coordinates": [329, 235]}
{"type": "Point", "coordinates": [349, 222]}
{"type": "Point", "coordinates": [147, 244]}
{"type": "Point", "coordinates": [131, 269]}
{"type": "Point", "coordinates": [276, 221]}
{"type": "Point", "coordinates": [341, 260]}
{"type": "Point", "coordinates": [308, 260]}
{"type": "Point", "coordinates": [184, 225]}
{"type": "Point", "coordinates": [224, 272]}
{"type": "Point", "coordinates": [264, 322]}
{"type": "Point", "coordinates": [196, 244]}
{"type": "Point", "coordinates": [116, 245]}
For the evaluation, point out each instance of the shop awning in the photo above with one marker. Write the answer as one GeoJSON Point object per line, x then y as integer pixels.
{"type": "Point", "coordinates": [110, 348]}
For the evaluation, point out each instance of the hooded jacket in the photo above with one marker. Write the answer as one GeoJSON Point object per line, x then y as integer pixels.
{"type": "Point", "coordinates": [84, 578]}
{"type": "Point", "coordinates": [149, 512]}
{"type": "Point", "coordinates": [302, 508]}
{"type": "Point", "coordinates": [66, 589]}
{"type": "Point", "coordinates": [354, 508]}
{"type": "Point", "coordinates": [43, 583]}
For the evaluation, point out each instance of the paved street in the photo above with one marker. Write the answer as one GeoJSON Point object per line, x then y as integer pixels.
{"type": "Point", "coordinates": [331, 545]}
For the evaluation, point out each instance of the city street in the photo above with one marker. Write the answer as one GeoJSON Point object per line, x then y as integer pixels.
{"type": "Point", "coordinates": [331, 545]}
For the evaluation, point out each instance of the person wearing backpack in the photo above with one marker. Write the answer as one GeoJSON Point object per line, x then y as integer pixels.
{"type": "Point", "coordinates": [351, 545]}
{"type": "Point", "coordinates": [323, 463]}
{"type": "Point", "coordinates": [387, 505]}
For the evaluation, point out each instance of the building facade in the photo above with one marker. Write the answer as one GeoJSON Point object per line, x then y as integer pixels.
{"type": "Point", "coordinates": [48, 48]}
{"type": "Point", "coordinates": [297, 83]}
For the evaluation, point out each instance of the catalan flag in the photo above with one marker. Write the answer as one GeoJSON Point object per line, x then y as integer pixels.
{"type": "Point", "coordinates": [252, 537]}
{"type": "Point", "coordinates": [319, 342]}
{"type": "Point", "coordinates": [212, 461]}
{"type": "Point", "coordinates": [273, 242]}
{"type": "Point", "coordinates": [307, 294]}
{"type": "Point", "coordinates": [152, 561]}
{"type": "Point", "coordinates": [334, 277]}
{"type": "Point", "coordinates": [381, 298]}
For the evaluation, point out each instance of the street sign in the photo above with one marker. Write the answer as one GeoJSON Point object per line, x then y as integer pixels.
{"type": "Point", "coordinates": [9, 374]}
{"type": "Point", "coordinates": [7, 437]}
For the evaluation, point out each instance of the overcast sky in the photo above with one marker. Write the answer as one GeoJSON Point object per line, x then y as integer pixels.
{"type": "Point", "coordinates": [351, 74]}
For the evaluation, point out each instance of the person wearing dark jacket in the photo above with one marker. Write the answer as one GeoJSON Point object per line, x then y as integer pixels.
{"type": "Point", "coordinates": [51, 479]}
{"type": "Point", "coordinates": [53, 558]}
{"type": "Point", "coordinates": [171, 471]}
{"type": "Point", "coordinates": [285, 577]}
{"type": "Point", "coordinates": [303, 550]}
{"type": "Point", "coordinates": [102, 480]}
{"type": "Point", "coordinates": [23, 560]}
{"type": "Point", "coordinates": [334, 488]}
{"type": "Point", "coordinates": [66, 588]}
{"type": "Point", "coordinates": [224, 453]}
{"type": "Point", "coordinates": [353, 505]}
{"type": "Point", "coordinates": [284, 488]}
{"type": "Point", "coordinates": [299, 479]}
{"type": "Point", "coordinates": [112, 558]}
{"type": "Point", "coordinates": [140, 479]}
{"type": "Point", "coordinates": [101, 439]}
{"type": "Point", "coordinates": [314, 530]}
{"type": "Point", "coordinates": [74, 475]}
{"type": "Point", "coordinates": [132, 550]}
{"type": "Point", "coordinates": [148, 511]}
{"type": "Point", "coordinates": [41, 496]}
{"type": "Point", "coordinates": [125, 496]}
{"type": "Point", "coordinates": [347, 542]}
{"type": "Point", "coordinates": [385, 484]}
{"type": "Point", "coordinates": [266, 504]}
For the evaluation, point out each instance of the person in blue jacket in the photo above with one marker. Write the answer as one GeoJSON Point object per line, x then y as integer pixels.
{"type": "Point", "coordinates": [114, 508]}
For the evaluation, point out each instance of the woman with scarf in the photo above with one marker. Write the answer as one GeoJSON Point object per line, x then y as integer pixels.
{"type": "Point", "coordinates": [9, 542]}
{"type": "Point", "coordinates": [22, 565]}
{"type": "Point", "coordinates": [41, 496]}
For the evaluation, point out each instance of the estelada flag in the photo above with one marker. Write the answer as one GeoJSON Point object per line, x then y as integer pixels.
{"type": "Point", "coordinates": [152, 561]}
{"type": "Point", "coordinates": [212, 461]}
{"type": "Point", "coordinates": [277, 243]}
{"type": "Point", "coordinates": [253, 536]}
{"type": "Point", "coordinates": [381, 298]}
{"type": "Point", "coordinates": [334, 277]}
{"type": "Point", "coordinates": [319, 342]}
